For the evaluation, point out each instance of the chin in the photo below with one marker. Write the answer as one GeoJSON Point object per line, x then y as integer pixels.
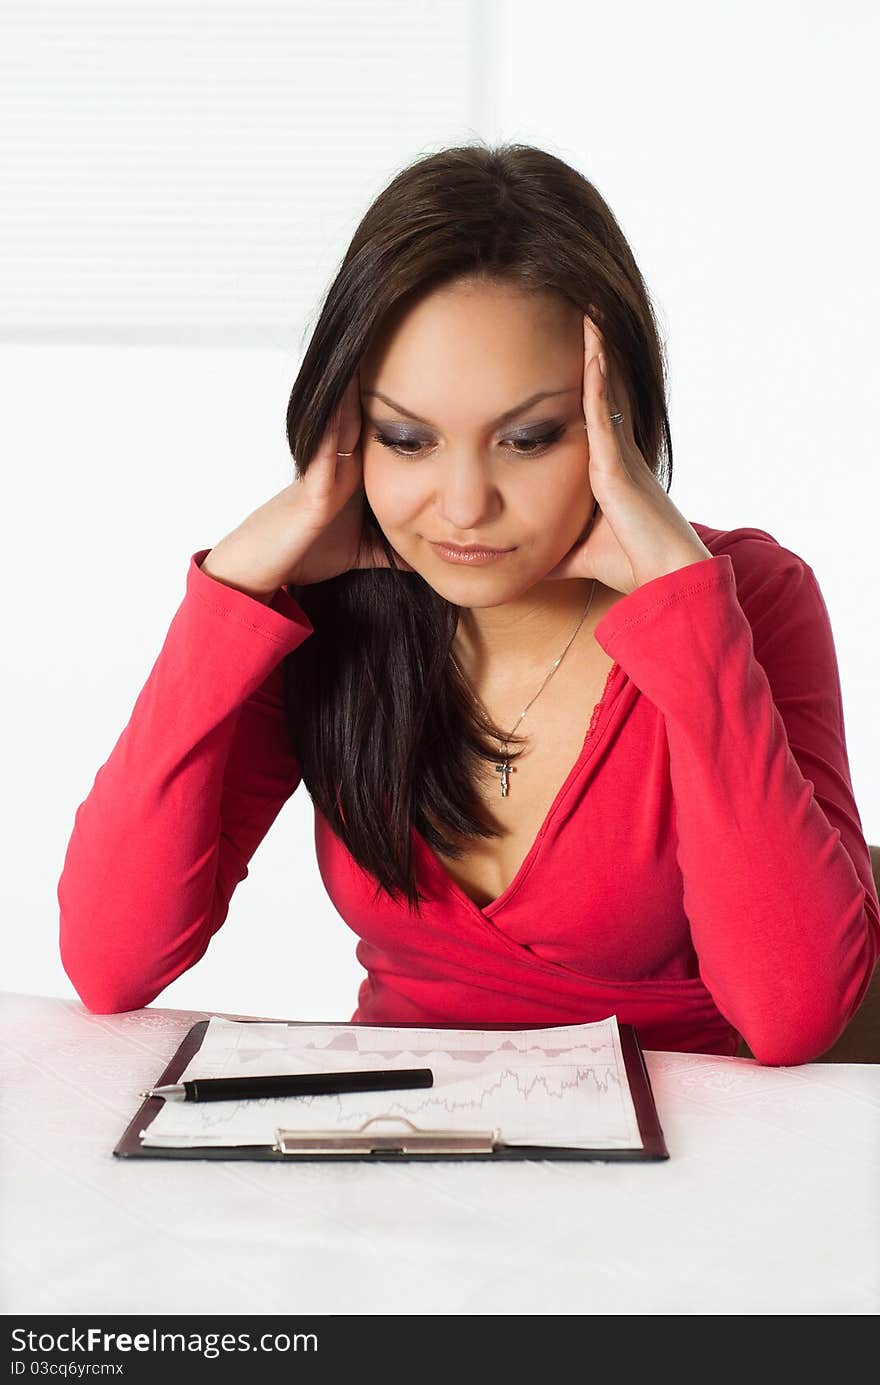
{"type": "Point", "coordinates": [477, 590]}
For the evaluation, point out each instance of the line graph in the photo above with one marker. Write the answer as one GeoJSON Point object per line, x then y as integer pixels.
{"type": "Point", "coordinates": [564, 1085]}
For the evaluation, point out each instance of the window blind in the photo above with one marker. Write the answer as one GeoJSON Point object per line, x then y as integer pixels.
{"type": "Point", "coordinates": [193, 169]}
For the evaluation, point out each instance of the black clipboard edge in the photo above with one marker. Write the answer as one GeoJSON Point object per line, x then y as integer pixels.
{"type": "Point", "coordinates": [653, 1143]}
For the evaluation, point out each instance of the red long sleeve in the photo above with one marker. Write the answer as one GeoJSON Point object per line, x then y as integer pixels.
{"type": "Point", "coordinates": [778, 888]}
{"type": "Point", "coordinates": [702, 872]}
{"type": "Point", "coordinates": [190, 789]}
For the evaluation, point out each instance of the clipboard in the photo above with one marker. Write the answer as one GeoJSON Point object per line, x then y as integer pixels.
{"type": "Point", "coordinates": [380, 1144]}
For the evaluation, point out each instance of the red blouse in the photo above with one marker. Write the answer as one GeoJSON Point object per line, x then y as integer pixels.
{"type": "Point", "coordinates": [702, 873]}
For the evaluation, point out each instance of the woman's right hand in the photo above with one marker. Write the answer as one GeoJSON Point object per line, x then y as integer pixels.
{"type": "Point", "coordinates": [310, 531]}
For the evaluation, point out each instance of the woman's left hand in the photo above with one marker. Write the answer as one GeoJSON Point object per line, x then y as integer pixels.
{"type": "Point", "coordinates": [636, 533]}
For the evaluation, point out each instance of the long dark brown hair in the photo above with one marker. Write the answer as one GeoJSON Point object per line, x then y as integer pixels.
{"type": "Point", "coordinates": [387, 732]}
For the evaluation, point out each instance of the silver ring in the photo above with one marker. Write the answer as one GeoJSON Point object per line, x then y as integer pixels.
{"type": "Point", "coordinates": [615, 419]}
{"type": "Point", "coordinates": [346, 454]}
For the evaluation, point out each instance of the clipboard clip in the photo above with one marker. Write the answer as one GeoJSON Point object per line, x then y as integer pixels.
{"type": "Point", "coordinates": [416, 1141]}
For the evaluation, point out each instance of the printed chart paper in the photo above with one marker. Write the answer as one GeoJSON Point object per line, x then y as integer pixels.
{"type": "Point", "coordinates": [565, 1085]}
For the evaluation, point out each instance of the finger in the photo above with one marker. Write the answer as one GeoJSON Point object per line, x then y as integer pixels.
{"type": "Point", "coordinates": [592, 340]}
{"type": "Point", "coordinates": [592, 373]}
{"type": "Point", "coordinates": [597, 405]}
{"type": "Point", "coordinates": [603, 435]}
{"type": "Point", "coordinates": [321, 474]}
{"type": "Point", "coordinates": [347, 421]}
{"type": "Point", "coordinates": [325, 452]}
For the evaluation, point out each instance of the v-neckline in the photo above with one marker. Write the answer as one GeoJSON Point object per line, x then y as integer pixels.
{"type": "Point", "coordinates": [489, 910]}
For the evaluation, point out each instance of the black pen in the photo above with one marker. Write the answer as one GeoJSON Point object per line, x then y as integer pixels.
{"type": "Point", "coordinates": [294, 1084]}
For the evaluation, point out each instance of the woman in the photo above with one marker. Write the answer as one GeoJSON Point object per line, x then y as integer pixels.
{"type": "Point", "coordinates": [601, 771]}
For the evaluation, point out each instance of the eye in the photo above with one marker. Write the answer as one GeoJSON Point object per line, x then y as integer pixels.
{"type": "Point", "coordinates": [521, 447]}
{"type": "Point", "coordinates": [535, 445]}
{"type": "Point", "coordinates": [396, 444]}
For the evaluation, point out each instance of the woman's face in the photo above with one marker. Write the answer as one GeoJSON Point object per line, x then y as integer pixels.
{"type": "Point", "coordinates": [460, 359]}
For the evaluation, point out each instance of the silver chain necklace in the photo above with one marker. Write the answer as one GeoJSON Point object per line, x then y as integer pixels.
{"type": "Point", "coordinates": [504, 767]}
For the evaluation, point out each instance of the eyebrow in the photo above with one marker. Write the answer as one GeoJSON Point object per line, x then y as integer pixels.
{"type": "Point", "coordinates": [502, 418]}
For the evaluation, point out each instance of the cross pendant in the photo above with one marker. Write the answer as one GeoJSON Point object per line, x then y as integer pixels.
{"type": "Point", "coordinates": [504, 770]}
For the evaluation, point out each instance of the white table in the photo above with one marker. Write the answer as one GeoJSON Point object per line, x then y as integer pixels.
{"type": "Point", "coordinates": [768, 1204]}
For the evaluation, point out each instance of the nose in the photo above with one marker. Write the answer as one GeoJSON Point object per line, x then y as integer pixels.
{"type": "Point", "coordinates": [468, 496]}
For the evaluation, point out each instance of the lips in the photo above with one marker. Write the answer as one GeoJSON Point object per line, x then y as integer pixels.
{"type": "Point", "coordinates": [469, 557]}
{"type": "Point", "coordinates": [474, 548]}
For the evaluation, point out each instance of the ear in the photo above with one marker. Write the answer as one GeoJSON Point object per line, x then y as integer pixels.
{"type": "Point", "coordinates": [596, 314]}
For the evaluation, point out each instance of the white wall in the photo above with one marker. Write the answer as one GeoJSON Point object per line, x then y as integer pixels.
{"type": "Point", "coordinates": [148, 340]}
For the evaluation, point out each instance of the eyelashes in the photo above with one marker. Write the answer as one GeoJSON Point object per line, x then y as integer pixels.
{"type": "Point", "coordinates": [536, 446]}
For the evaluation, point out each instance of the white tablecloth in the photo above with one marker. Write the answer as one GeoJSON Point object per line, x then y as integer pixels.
{"type": "Point", "coordinates": [768, 1204]}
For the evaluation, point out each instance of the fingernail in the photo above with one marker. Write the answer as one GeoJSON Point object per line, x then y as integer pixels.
{"type": "Point", "coordinates": [602, 364]}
